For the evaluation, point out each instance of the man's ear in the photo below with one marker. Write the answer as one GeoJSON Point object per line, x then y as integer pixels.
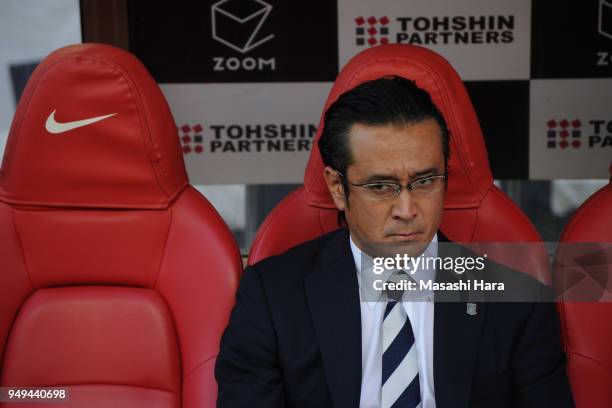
{"type": "Point", "coordinates": [334, 185]}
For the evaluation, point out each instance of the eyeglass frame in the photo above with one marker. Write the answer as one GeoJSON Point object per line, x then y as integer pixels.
{"type": "Point", "coordinates": [398, 187]}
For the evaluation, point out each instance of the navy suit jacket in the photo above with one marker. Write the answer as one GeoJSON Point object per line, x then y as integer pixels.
{"type": "Point", "coordinates": [294, 340]}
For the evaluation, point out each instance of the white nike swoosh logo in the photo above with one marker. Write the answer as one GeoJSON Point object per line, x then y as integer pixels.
{"type": "Point", "coordinates": [53, 126]}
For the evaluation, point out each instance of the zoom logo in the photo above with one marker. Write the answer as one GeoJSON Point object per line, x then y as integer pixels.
{"type": "Point", "coordinates": [604, 27]}
{"type": "Point", "coordinates": [240, 25]}
{"type": "Point", "coordinates": [604, 19]}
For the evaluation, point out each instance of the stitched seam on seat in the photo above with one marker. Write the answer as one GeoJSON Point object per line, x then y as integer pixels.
{"type": "Point", "coordinates": [18, 310]}
{"type": "Point", "coordinates": [599, 363]}
{"type": "Point", "coordinates": [593, 200]}
{"type": "Point", "coordinates": [219, 219]}
{"type": "Point", "coordinates": [238, 258]}
{"type": "Point", "coordinates": [161, 263]}
{"type": "Point", "coordinates": [21, 250]}
{"type": "Point", "coordinates": [156, 286]}
{"type": "Point", "coordinates": [198, 366]}
{"type": "Point", "coordinates": [144, 125]}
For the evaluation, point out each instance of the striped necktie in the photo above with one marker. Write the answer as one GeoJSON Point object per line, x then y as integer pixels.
{"type": "Point", "coordinates": [400, 371]}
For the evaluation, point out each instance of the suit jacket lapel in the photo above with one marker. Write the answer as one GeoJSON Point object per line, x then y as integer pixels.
{"type": "Point", "coordinates": [333, 298]}
{"type": "Point", "coordinates": [456, 339]}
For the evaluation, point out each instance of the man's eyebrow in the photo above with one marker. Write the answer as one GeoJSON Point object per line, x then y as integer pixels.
{"type": "Point", "coordinates": [390, 177]}
{"type": "Point", "coordinates": [381, 177]}
{"type": "Point", "coordinates": [426, 172]}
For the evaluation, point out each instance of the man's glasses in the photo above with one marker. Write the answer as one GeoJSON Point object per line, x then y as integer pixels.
{"type": "Point", "coordinates": [386, 190]}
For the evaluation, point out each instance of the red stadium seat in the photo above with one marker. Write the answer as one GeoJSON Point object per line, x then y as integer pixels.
{"type": "Point", "coordinates": [475, 209]}
{"type": "Point", "coordinates": [587, 326]}
{"type": "Point", "coordinates": [116, 276]}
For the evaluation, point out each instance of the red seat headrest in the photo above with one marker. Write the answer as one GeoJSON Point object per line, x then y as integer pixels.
{"type": "Point", "coordinates": [592, 222]}
{"type": "Point", "coordinates": [111, 123]}
{"type": "Point", "coordinates": [587, 333]}
{"type": "Point", "coordinates": [475, 210]}
{"type": "Point", "coordinates": [470, 177]}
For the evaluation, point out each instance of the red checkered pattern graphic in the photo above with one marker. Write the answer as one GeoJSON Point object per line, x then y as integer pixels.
{"type": "Point", "coordinates": [191, 138]}
{"type": "Point", "coordinates": [563, 134]}
{"type": "Point", "coordinates": [371, 31]}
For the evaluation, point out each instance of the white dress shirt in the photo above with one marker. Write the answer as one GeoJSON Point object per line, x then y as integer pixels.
{"type": "Point", "coordinates": [421, 315]}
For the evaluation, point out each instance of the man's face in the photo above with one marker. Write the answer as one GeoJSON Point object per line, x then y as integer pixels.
{"type": "Point", "coordinates": [395, 154]}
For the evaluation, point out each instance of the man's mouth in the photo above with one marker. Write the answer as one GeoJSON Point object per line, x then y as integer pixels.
{"type": "Point", "coordinates": [405, 236]}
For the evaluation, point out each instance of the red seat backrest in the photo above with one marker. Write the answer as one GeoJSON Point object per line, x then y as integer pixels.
{"type": "Point", "coordinates": [116, 276]}
{"type": "Point", "coordinates": [475, 210]}
{"type": "Point", "coordinates": [587, 326]}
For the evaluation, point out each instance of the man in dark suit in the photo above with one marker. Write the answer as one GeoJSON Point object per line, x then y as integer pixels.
{"type": "Point", "coordinates": [303, 335]}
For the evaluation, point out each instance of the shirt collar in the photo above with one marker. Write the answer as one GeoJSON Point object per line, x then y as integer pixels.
{"type": "Point", "coordinates": [366, 278]}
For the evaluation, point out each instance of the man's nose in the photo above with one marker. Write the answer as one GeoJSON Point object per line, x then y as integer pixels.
{"type": "Point", "coordinates": [404, 206]}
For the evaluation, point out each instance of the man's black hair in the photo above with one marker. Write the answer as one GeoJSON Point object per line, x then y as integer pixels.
{"type": "Point", "coordinates": [390, 100]}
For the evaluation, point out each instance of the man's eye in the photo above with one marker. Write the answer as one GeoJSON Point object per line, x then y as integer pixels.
{"type": "Point", "coordinates": [380, 187]}
{"type": "Point", "coordinates": [423, 182]}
